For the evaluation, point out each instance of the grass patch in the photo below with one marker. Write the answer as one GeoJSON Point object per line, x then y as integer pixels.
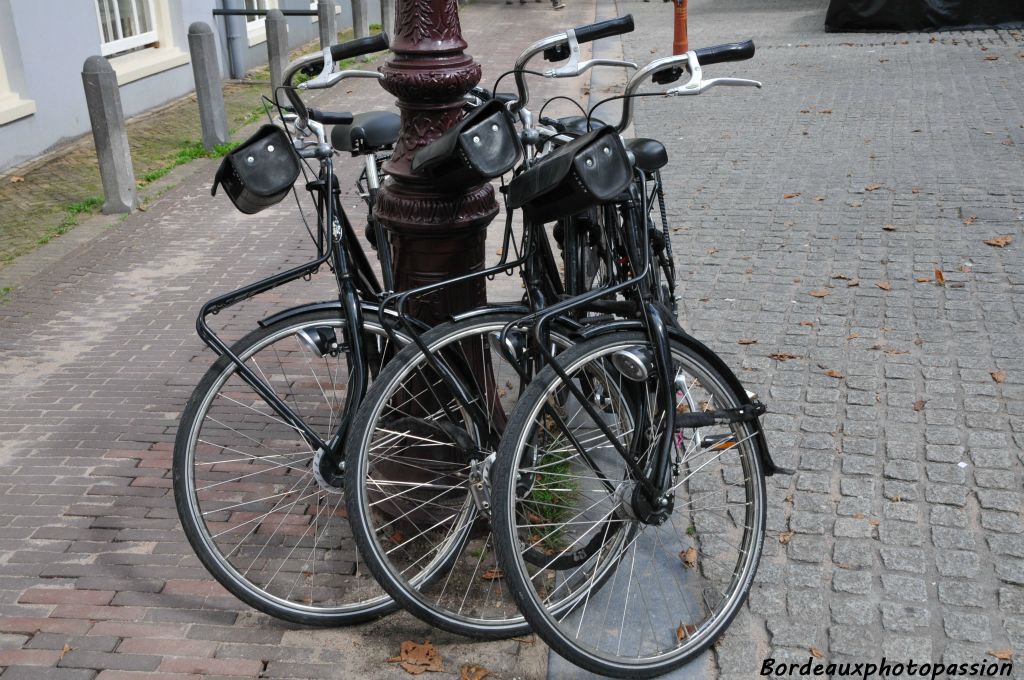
{"type": "Point", "coordinates": [188, 153]}
{"type": "Point", "coordinates": [70, 218]}
{"type": "Point", "coordinates": [5, 294]}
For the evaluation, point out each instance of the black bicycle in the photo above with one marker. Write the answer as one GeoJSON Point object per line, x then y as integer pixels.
{"type": "Point", "coordinates": [258, 455]}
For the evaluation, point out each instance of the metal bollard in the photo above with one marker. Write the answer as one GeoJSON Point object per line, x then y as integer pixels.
{"type": "Point", "coordinates": [387, 16]}
{"type": "Point", "coordinates": [209, 93]}
{"type": "Point", "coordinates": [103, 99]}
{"type": "Point", "coordinates": [277, 49]}
{"type": "Point", "coordinates": [360, 18]}
{"type": "Point", "coordinates": [328, 27]}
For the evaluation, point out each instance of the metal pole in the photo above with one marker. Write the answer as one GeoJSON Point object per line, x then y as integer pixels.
{"type": "Point", "coordinates": [437, 234]}
{"type": "Point", "coordinates": [237, 39]}
{"type": "Point", "coordinates": [680, 42]}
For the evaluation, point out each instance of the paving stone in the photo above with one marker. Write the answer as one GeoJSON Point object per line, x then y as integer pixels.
{"type": "Point", "coordinates": [853, 528]}
{"type": "Point", "coordinates": [853, 611]}
{"type": "Point", "coordinates": [962, 593]}
{"type": "Point", "coordinates": [854, 641]}
{"type": "Point", "coordinates": [957, 563]}
{"type": "Point", "coordinates": [903, 559]}
{"type": "Point", "coordinates": [946, 494]}
{"type": "Point", "coordinates": [1010, 570]}
{"type": "Point", "coordinates": [900, 533]}
{"type": "Point", "coordinates": [853, 554]}
{"type": "Point", "coordinates": [946, 538]}
{"type": "Point", "coordinates": [964, 626]}
{"type": "Point", "coordinates": [1011, 599]}
{"type": "Point", "coordinates": [1007, 501]}
{"type": "Point", "coordinates": [896, 647]}
{"type": "Point", "coordinates": [853, 582]}
{"type": "Point", "coordinates": [904, 588]}
{"type": "Point", "coordinates": [904, 617]}
{"type": "Point", "coordinates": [1007, 522]}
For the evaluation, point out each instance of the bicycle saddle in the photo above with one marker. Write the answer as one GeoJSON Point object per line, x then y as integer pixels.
{"type": "Point", "coordinates": [368, 132]}
{"type": "Point", "coordinates": [650, 153]}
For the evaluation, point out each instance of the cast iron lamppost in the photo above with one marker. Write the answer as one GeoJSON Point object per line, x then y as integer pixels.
{"type": "Point", "coordinates": [437, 234]}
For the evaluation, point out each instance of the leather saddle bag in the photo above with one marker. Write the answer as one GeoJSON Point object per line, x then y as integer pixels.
{"type": "Point", "coordinates": [590, 170]}
{"type": "Point", "coordinates": [478, 148]}
{"type": "Point", "coordinates": [260, 172]}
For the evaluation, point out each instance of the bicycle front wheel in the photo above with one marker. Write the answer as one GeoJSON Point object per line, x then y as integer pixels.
{"type": "Point", "coordinates": [418, 477]}
{"type": "Point", "coordinates": [679, 573]}
{"type": "Point", "coordinates": [254, 506]}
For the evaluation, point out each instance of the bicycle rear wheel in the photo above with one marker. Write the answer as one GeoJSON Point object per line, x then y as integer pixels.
{"type": "Point", "coordinates": [253, 505]}
{"type": "Point", "coordinates": [678, 575]}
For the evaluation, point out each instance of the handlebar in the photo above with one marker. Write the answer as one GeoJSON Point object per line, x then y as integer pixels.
{"type": "Point", "coordinates": [719, 54]}
{"type": "Point", "coordinates": [567, 46]}
{"type": "Point", "coordinates": [360, 46]}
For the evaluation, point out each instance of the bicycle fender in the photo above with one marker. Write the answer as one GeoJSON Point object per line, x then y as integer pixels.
{"type": "Point", "coordinates": [368, 308]}
{"type": "Point", "coordinates": [702, 350]}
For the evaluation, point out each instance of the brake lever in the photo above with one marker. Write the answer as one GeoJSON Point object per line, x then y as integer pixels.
{"type": "Point", "coordinates": [696, 84]}
{"type": "Point", "coordinates": [330, 80]}
{"type": "Point", "coordinates": [575, 67]}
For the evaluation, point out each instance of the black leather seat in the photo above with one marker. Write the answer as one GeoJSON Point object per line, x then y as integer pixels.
{"type": "Point", "coordinates": [371, 131]}
{"type": "Point", "coordinates": [650, 153]}
{"type": "Point", "coordinates": [577, 125]}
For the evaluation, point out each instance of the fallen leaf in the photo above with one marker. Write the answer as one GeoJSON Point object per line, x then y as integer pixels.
{"type": "Point", "coordinates": [991, 57]}
{"type": "Point", "coordinates": [1002, 654]}
{"type": "Point", "coordinates": [689, 557]}
{"type": "Point", "coordinates": [874, 522]}
{"type": "Point", "coordinates": [858, 515]}
{"type": "Point", "coordinates": [965, 269]}
{"type": "Point", "coordinates": [493, 574]}
{"type": "Point", "coordinates": [915, 190]}
{"type": "Point", "coordinates": [819, 199]}
{"type": "Point", "coordinates": [969, 220]}
{"type": "Point", "coordinates": [923, 279]}
{"type": "Point", "coordinates": [805, 110]}
{"type": "Point", "coordinates": [882, 61]}
{"type": "Point", "coordinates": [67, 648]}
{"type": "Point", "coordinates": [919, 405]}
{"type": "Point", "coordinates": [534, 518]}
{"type": "Point", "coordinates": [826, 111]}
{"type": "Point", "coordinates": [781, 356]}
{"type": "Point", "coordinates": [884, 285]}
{"type": "Point", "coordinates": [499, 252]}
{"type": "Point", "coordinates": [819, 293]}
{"type": "Point", "coordinates": [853, 283]}
{"type": "Point", "coordinates": [746, 341]}
{"type": "Point", "coordinates": [874, 186]}
{"type": "Point", "coordinates": [397, 537]}
{"type": "Point", "coordinates": [712, 251]}
{"type": "Point", "coordinates": [785, 537]}
{"type": "Point", "coordinates": [816, 653]}
{"type": "Point", "coordinates": [853, 336]}
{"type": "Point", "coordinates": [842, 277]}
{"type": "Point", "coordinates": [788, 223]}
{"type": "Point", "coordinates": [685, 630]}
{"type": "Point", "coordinates": [1007, 142]}
{"type": "Point", "coordinates": [940, 278]}
{"type": "Point", "coordinates": [15, 179]}
{"type": "Point", "coordinates": [471, 671]}
{"type": "Point", "coordinates": [1000, 241]}
{"type": "Point", "coordinates": [889, 227]}
{"type": "Point", "coordinates": [415, 659]}
{"type": "Point", "coordinates": [791, 195]}
{"type": "Point", "coordinates": [998, 376]}
{"type": "Point", "coordinates": [809, 324]}
{"type": "Point", "coordinates": [833, 373]}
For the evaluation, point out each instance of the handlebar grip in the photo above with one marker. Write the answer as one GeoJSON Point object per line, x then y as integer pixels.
{"type": "Point", "coordinates": [605, 29]}
{"type": "Point", "coordinates": [717, 54]}
{"type": "Point", "coordinates": [360, 46]}
{"type": "Point", "coordinates": [330, 117]}
{"type": "Point", "coordinates": [591, 32]}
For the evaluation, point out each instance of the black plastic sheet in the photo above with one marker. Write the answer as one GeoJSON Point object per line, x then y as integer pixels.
{"type": "Point", "coordinates": [923, 15]}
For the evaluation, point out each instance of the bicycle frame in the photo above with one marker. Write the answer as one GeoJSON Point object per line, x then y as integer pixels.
{"type": "Point", "coordinates": [338, 247]}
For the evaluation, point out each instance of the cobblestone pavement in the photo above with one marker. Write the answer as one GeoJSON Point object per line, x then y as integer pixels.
{"type": "Point", "coordinates": [812, 218]}
{"type": "Point", "coordinates": [98, 357]}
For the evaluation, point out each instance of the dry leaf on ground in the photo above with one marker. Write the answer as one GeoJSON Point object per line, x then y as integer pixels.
{"type": "Point", "coordinates": [969, 220]}
{"type": "Point", "coordinates": [685, 630]}
{"type": "Point", "coordinates": [415, 659]}
{"type": "Point", "coordinates": [471, 671]}
{"type": "Point", "coordinates": [15, 179]}
{"type": "Point", "coordinates": [940, 278]}
{"type": "Point", "coordinates": [689, 557]}
{"type": "Point", "coordinates": [791, 195]}
{"type": "Point", "coordinates": [991, 57]}
{"type": "Point", "coordinates": [712, 251]}
{"type": "Point", "coordinates": [825, 111]}
{"type": "Point", "coordinates": [884, 285]}
{"type": "Point", "coordinates": [919, 405]}
{"type": "Point", "coordinates": [889, 227]}
{"type": "Point", "coordinates": [747, 341]}
{"type": "Point", "coordinates": [1000, 241]}
{"type": "Point", "coordinates": [781, 356]}
{"type": "Point", "coordinates": [819, 293]}
{"type": "Point", "coordinates": [833, 373]}
{"type": "Point", "coordinates": [809, 324]}
{"type": "Point", "coordinates": [493, 574]}
{"type": "Point", "coordinates": [874, 186]}
{"type": "Point", "coordinates": [923, 279]}
{"type": "Point", "coordinates": [534, 518]}
{"type": "Point", "coordinates": [816, 653]}
{"type": "Point", "coordinates": [1002, 654]}
{"type": "Point", "coordinates": [998, 376]}
{"type": "Point", "coordinates": [67, 648]}
{"type": "Point", "coordinates": [785, 537]}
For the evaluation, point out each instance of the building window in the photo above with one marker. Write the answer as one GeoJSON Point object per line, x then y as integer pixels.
{"type": "Point", "coordinates": [256, 23]}
{"type": "Point", "coordinates": [126, 25]}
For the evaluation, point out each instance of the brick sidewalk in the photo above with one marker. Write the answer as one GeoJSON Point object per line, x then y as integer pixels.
{"type": "Point", "coordinates": [99, 356]}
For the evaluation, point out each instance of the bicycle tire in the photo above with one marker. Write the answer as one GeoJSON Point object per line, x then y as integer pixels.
{"type": "Point", "coordinates": [226, 428]}
{"type": "Point", "coordinates": [693, 549]}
